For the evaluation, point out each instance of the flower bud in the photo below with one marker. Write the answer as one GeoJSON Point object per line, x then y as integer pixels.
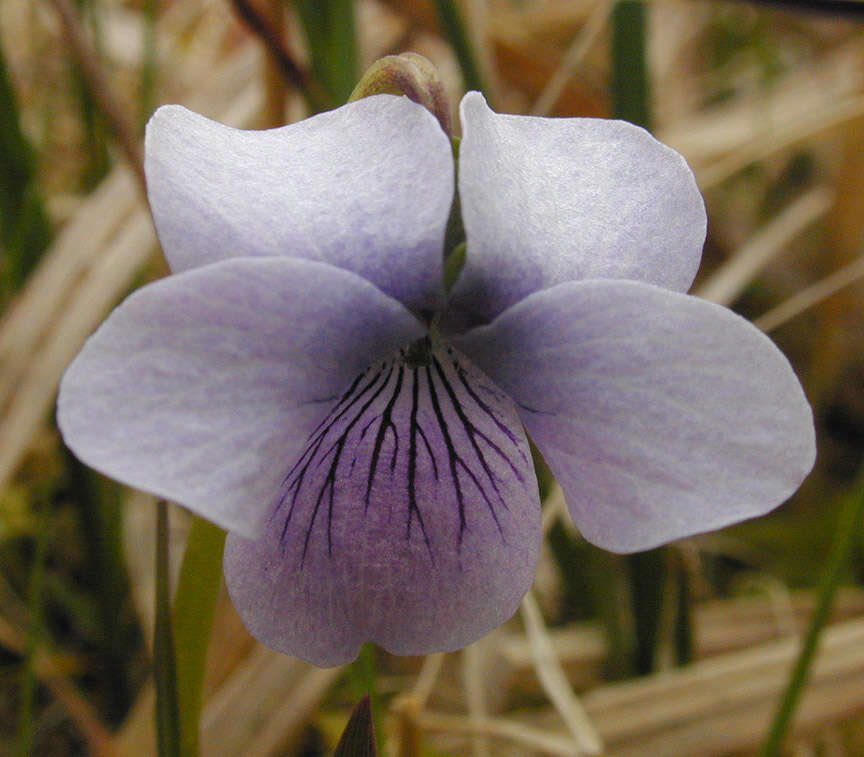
{"type": "Point", "coordinates": [411, 75]}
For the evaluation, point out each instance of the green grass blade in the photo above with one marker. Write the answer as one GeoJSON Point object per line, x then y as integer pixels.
{"type": "Point", "coordinates": [100, 519]}
{"type": "Point", "coordinates": [329, 27]}
{"type": "Point", "coordinates": [164, 668]}
{"type": "Point", "coordinates": [647, 574]}
{"type": "Point", "coordinates": [35, 635]}
{"type": "Point", "coordinates": [631, 89]}
{"type": "Point", "coordinates": [454, 29]}
{"type": "Point", "coordinates": [194, 609]}
{"type": "Point", "coordinates": [25, 230]}
{"type": "Point", "coordinates": [846, 536]}
{"type": "Point", "coordinates": [96, 136]}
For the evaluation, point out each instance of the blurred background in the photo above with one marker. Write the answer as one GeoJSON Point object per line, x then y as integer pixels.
{"type": "Point", "coordinates": [683, 651]}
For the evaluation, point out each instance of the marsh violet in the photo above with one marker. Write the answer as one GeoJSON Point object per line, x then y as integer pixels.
{"type": "Point", "coordinates": [303, 379]}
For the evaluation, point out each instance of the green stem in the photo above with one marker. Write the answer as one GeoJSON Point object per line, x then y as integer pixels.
{"type": "Point", "coordinates": [455, 31]}
{"type": "Point", "coordinates": [846, 536]}
{"type": "Point", "coordinates": [362, 675]}
{"type": "Point", "coordinates": [164, 672]}
{"type": "Point", "coordinates": [194, 610]}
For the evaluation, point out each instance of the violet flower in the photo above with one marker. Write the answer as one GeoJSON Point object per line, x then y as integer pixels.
{"type": "Point", "coordinates": [304, 381]}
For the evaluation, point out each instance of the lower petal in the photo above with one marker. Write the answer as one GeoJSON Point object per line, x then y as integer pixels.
{"type": "Point", "coordinates": [411, 519]}
{"type": "Point", "coordinates": [660, 414]}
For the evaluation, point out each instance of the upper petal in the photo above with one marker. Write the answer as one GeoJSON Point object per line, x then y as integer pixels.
{"type": "Point", "coordinates": [549, 200]}
{"type": "Point", "coordinates": [660, 414]}
{"type": "Point", "coordinates": [411, 519]}
{"type": "Point", "coordinates": [366, 187]}
{"type": "Point", "coordinates": [202, 387]}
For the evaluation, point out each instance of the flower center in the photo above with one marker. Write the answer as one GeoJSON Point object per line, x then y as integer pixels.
{"type": "Point", "coordinates": [421, 444]}
{"type": "Point", "coordinates": [419, 354]}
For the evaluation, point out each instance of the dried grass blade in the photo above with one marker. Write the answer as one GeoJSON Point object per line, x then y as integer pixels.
{"type": "Point", "coordinates": [428, 676]}
{"type": "Point", "coordinates": [72, 251]}
{"type": "Point", "coordinates": [722, 705]}
{"type": "Point", "coordinates": [287, 692]}
{"type": "Point", "coordinates": [518, 733]}
{"type": "Point", "coordinates": [100, 89]}
{"type": "Point", "coordinates": [802, 103]}
{"type": "Point", "coordinates": [554, 681]}
{"type": "Point", "coordinates": [746, 262]}
{"type": "Point", "coordinates": [83, 714]}
{"type": "Point", "coordinates": [812, 295]}
{"type": "Point", "coordinates": [109, 272]}
{"type": "Point", "coordinates": [475, 695]}
{"type": "Point", "coordinates": [577, 51]}
{"type": "Point", "coordinates": [92, 300]}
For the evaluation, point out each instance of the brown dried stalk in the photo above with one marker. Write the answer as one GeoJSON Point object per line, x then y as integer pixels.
{"type": "Point", "coordinates": [99, 88]}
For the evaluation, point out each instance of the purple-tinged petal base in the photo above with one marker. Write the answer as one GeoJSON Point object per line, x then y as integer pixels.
{"type": "Point", "coordinates": [660, 414]}
{"type": "Point", "coordinates": [411, 519]}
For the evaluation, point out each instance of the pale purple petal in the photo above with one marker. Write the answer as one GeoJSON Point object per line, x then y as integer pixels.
{"type": "Point", "coordinates": [660, 414]}
{"type": "Point", "coordinates": [202, 387]}
{"type": "Point", "coordinates": [366, 187]}
{"type": "Point", "coordinates": [411, 519]}
{"type": "Point", "coordinates": [549, 200]}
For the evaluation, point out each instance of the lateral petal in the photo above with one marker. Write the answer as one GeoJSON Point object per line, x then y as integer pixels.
{"type": "Point", "coordinates": [203, 386]}
{"type": "Point", "coordinates": [661, 415]}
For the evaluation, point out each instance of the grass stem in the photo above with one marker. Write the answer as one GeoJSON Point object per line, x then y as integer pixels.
{"type": "Point", "coordinates": [846, 537]}
{"type": "Point", "coordinates": [164, 666]}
